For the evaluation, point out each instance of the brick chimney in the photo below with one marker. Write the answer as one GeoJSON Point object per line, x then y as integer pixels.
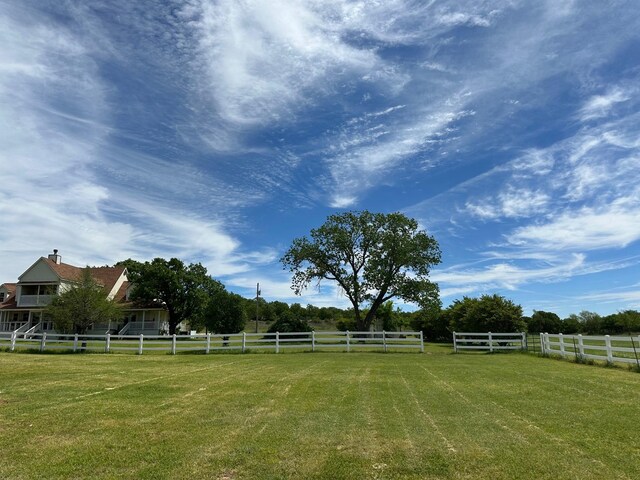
{"type": "Point", "coordinates": [55, 257]}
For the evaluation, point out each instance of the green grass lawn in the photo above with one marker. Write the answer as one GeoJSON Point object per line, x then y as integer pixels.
{"type": "Point", "coordinates": [321, 415]}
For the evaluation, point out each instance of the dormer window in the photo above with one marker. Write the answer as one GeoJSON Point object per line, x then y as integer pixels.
{"type": "Point", "coordinates": [1, 297]}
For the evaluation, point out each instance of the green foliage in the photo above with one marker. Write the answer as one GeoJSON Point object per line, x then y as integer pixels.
{"type": "Point", "coordinates": [489, 313]}
{"type": "Point", "coordinates": [627, 321]}
{"type": "Point", "coordinates": [571, 324]}
{"type": "Point", "coordinates": [373, 257]}
{"type": "Point", "coordinates": [547, 322]}
{"type": "Point", "coordinates": [287, 322]}
{"type": "Point", "coordinates": [591, 322]}
{"type": "Point", "coordinates": [224, 313]}
{"type": "Point", "coordinates": [182, 289]}
{"type": "Point", "coordinates": [77, 309]}
{"type": "Point", "coordinates": [346, 323]}
{"type": "Point", "coordinates": [434, 323]}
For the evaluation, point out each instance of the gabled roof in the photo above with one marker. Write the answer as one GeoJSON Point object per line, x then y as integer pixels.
{"type": "Point", "coordinates": [121, 294]}
{"type": "Point", "coordinates": [105, 276]}
{"type": "Point", "coordinates": [64, 270]}
{"type": "Point", "coordinates": [10, 287]}
{"type": "Point", "coordinates": [9, 300]}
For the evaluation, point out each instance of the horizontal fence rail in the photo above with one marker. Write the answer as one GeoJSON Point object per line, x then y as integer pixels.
{"type": "Point", "coordinates": [489, 341]}
{"type": "Point", "coordinates": [593, 347]}
{"type": "Point", "coordinates": [207, 343]}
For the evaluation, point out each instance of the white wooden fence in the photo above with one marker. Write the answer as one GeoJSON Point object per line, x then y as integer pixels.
{"type": "Point", "coordinates": [489, 341]}
{"type": "Point", "coordinates": [206, 343]}
{"type": "Point", "coordinates": [595, 347]}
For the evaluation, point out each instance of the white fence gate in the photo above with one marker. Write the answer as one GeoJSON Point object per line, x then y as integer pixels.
{"type": "Point", "coordinates": [595, 347]}
{"type": "Point", "coordinates": [491, 342]}
{"type": "Point", "coordinates": [206, 343]}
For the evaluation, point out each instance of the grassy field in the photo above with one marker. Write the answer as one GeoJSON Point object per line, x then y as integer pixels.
{"type": "Point", "coordinates": [321, 415]}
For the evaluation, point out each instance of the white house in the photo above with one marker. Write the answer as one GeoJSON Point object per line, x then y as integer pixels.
{"type": "Point", "coordinates": [22, 303]}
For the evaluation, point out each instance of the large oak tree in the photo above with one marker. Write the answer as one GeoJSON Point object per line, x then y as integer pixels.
{"type": "Point", "coordinates": [373, 257]}
{"type": "Point", "coordinates": [184, 290]}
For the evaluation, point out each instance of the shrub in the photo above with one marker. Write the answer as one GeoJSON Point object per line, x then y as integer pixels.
{"type": "Point", "coordinates": [287, 322]}
{"type": "Point", "coordinates": [489, 313]}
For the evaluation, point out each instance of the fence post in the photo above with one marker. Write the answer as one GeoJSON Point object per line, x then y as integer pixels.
{"type": "Point", "coordinates": [607, 342]}
{"type": "Point", "coordinates": [140, 344]}
{"type": "Point", "coordinates": [107, 343]}
{"type": "Point", "coordinates": [490, 342]}
{"type": "Point", "coordinates": [525, 345]}
{"type": "Point", "coordinates": [313, 340]}
{"type": "Point", "coordinates": [43, 341]}
{"type": "Point", "coordinates": [455, 343]}
{"type": "Point", "coordinates": [173, 344]}
{"type": "Point", "coordinates": [561, 337]}
{"type": "Point", "coordinates": [13, 341]}
{"type": "Point", "coordinates": [75, 343]}
{"type": "Point", "coordinates": [580, 345]}
{"type": "Point", "coordinates": [348, 345]}
{"type": "Point", "coordinates": [421, 342]}
{"type": "Point", "coordinates": [277, 342]}
{"type": "Point", "coordinates": [384, 340]}
{"type": "Point", "coordinates": [244, 341]}
{"type": "Point", "coordinates": [541, 343]}
{"type": "Point", "coordinates": [207, 349]}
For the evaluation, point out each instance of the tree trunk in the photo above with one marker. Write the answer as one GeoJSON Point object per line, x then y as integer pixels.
{"type": "Point", "coordinates": [173, 322]}
{"type": "Point", "coordinates": [172, 327]}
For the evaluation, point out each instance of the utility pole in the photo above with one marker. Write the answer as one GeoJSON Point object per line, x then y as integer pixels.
{"type": "Point", "coordinates": [257, 304]}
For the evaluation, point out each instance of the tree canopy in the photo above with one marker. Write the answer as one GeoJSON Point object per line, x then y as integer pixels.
{"type": "Point", "coordinates": [77, 309]}
{"type": "Point", "coordinates": [542, 321]}
{"type": "Point", "coordinates": [373, 257]}
{"type": "Point", "coordinates": [224, 313]}
{"type": "Point", "coordinates": [489, 313]}
{"type": "Point", "coordinates": [182, 289]}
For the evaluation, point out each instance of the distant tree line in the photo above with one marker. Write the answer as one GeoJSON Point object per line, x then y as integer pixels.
{"type": "Point", "coordinates": [494, 313]}
{"type": "Point", "coordinates": [589, 323]}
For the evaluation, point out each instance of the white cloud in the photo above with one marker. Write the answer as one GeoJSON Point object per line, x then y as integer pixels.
{"type": "Point", "coordinates": [629, 298]}
{"type": "Point", "coordinates": [507, 275]}
{"type": "Point", "coordinates": [600, 105]}
{"type": "Point", "coordinates": [262, 57]}
{"type": "Point", "coordinates": [512, 203]}
{"type": "Point", "coordinates": [70, 188]}
{"type": "Point", "coordinates": [585, 229]}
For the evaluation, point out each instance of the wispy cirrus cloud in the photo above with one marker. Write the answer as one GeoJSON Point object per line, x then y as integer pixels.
{"type": "Point", "coordinates": [72, 185]}
{"type": "Point", "coordinates": [600, 105]}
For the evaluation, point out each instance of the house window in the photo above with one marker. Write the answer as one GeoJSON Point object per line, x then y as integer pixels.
{"type": "Point", "coordinates": [1, 297]}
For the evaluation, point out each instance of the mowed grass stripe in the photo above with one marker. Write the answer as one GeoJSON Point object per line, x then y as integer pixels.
{"type": "Point", "coordinates": [537, 446]}
{"type": "Point", "coordinates": [325, 415]}
{"type": "Point", "coordinates": [574, 425]}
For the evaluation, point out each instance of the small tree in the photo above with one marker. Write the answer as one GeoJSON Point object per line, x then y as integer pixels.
{"type": "Point", "coordinates": [77, 309]}
{"type": "Point", "coordinates": [547, 322]}
{"type": "Point", "coordinates": [373, 257]}
{"type": "Point", "coordinates": [489, 313]}
{"type": "Point", "coordinates": [434, 324]}
{"type": "Point", "coordinates": [224, 313]}
{"type": "Point", "coordinates": [591, 322]}
{"type": "Point", "coordinates": [288, 322]}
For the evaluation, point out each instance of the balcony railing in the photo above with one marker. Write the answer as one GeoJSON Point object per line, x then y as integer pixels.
{"type": "Point", "coordinates": [34, 300]}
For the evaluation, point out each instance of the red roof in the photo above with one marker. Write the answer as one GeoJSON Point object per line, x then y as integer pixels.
{"type": "Point", "coordinates": [10, 299]}
{"type": "Point", "coordinates": [105, 276]}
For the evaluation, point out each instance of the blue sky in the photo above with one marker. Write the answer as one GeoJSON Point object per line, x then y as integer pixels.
{"type": "Point", "coordinates": [217, 131]}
